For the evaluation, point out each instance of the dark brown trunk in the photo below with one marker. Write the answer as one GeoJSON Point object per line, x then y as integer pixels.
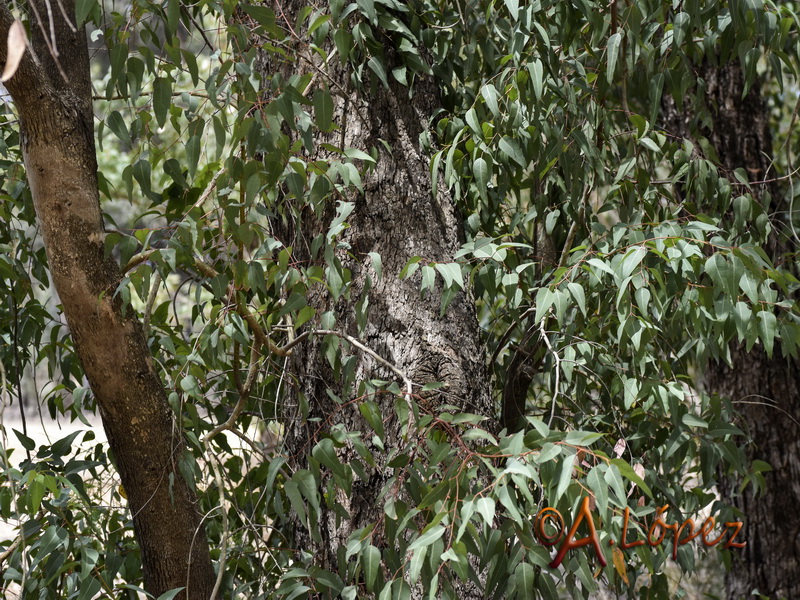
{"type": "Point", "coordinates": [57, 139]}
{"type": "Point", "coordinates": [765, 391]}
{"type": "Point", "coordinates": [399, 217]}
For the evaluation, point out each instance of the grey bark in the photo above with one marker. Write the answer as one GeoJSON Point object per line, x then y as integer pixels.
{"type": "Point", "coordinates": [57, 140]}
{"type": "Point", "coordinates": [398, 217]}
{"type": "Point", "coordinates": [765, 391]}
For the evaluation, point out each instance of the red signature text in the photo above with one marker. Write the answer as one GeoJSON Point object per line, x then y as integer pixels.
{"type": "Point", "coordinates": [682, 533]}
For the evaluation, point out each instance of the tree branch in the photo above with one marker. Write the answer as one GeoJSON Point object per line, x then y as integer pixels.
{"type": "Point", "coordinates": [244, 312]}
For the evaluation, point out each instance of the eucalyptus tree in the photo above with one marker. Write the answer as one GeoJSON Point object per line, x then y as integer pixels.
{"type": "Point", "coordinates": [440, 267]}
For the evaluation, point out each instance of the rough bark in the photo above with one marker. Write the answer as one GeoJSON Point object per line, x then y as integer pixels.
{"type": "Point", "coordinates": [398, 217]}
{"type": "Point", "coordinates": [765, 391]}
{"type": "Point", "coordinates": [57, 140]}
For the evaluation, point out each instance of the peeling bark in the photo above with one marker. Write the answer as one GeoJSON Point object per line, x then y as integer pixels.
{"type": "Point", "coordinates": [57, 140]}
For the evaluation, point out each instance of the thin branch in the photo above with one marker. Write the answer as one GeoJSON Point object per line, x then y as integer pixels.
{"type": "Point", "coordinates": [244, 394]}
{"type": "Point", "coordinates": [10, 550]}
{"type": "Point", "coordinates": [207, 192]}
{"type": "Point", "coordinates": [139, 259]}
{"type": "Point", "coordinates": [50, 46]}
{"type": "Point", "coordinates": [151, 300]}
{"type": "Point", "coordinates": [355, 342]}
{"type": "Point", "coordinates": [557, 358]}
{"type": "Point", "coordinates": [225, 527]}
{"type": "Point", "coordinates": [244, 312]}
{"type": "Point", "coordinates": [52, 27]}
{"type": "Point", "coordinates": [143, 256]}
{"type": "Point", "coordinates": [199, 28]}
{"type": "Point", "coordinates": [66, 17]}
{"type": "Point", "coordinates": [286, 349]}
{"type": "Point", "coordinates": [573, 229]}
{"type": "Point", "coordinates": [771, 404]}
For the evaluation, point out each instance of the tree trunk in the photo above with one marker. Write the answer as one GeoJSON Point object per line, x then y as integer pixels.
{"type": "Point", "coordinates": [765, 391]}
{"type": "Point", "coordinates": [57, 139]}
{"type": "Point", "coordinates": [397, 217]}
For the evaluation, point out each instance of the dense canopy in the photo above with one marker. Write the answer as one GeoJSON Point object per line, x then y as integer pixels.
{"type": "Point", "coordinates": [360, 289]}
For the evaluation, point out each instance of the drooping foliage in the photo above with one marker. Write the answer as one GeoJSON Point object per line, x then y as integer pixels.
{"type": "Point", "coordinates": [610, 258]}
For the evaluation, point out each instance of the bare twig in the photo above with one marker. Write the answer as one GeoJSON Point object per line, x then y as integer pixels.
{"type": "Point", "coordinates": [557, 358]}
{"type": "Point", "coordinates": [244, 394]}
{"type": "Point", "coordinates": [138, 259]}
{"type": "Point", "coordinates": [50, 47]}
{"type": "Point", "coordinates": [66, 17]}
{"type": "Point", "coordinates": [151, 300]}
{"type": "Point", "coordinates": [10, 550]}
{"type": "Point", "coordinates": [244, 312]}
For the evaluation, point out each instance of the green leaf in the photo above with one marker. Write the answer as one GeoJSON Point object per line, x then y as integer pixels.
{"type": "Point", "coordinates": [325, 453]}
{"type": "Point", "coordinates": [511, 148]}
{"type": "Point", "coordinates": [567, 466]}
{"type": "Point", "coordinates": [368, 9]}
{"type": "Point", "coordinates": [536, 71]}
{"type": "Point", "coordinates": [379, 69]}
{"type": "Point", "coordinates": [294, 303]}
{"type": "Point", "coordinates": [356, 154]}
{"type": "Point", "coordinates": [472, 120]}
{"type": "Point", "coordinates": [748, 285]}
{"type": "Point", "coordinates": [599, 487]}
{"type": "Point", "coordinates": [482, 175]}
{"type": "Point", "coordinates": [372, 414]}
{"type": "Point", "coordinates": [613, 53]}
{"type": "Point", "coordinates": [548, 452]}
{"type": "Point", "coordinates": [577, 293]}
{"type": "Point", "coordinates": [83, 9]}
{"type": "Point", "coordinates": [371, 558]}
{"type": "Point", "coordinates": [544, 300]}
{"type": "Point", "coordinates": [173, 16]}
{"type": "Point", "coordinates": [742, 316]}
{"type": "Point", "coordinates": [417, 562]}
{"type": "Point", "coordinates": [24, 440]}
{"type": "Point", "coordinates": [162, 99]}
{"type": "Point", "coordinates": [486, 507]}
{"type": "Point", "coordinates": [767, 326]}
{"type": "Point", "coordinates": [376, 264]}
{"type": "Point", "coordinates": [582, 438]}
{"type": "Point", "coordinates": [36, 491]}
{"type": "Point", "coordinates": [116, 123]}
{"type": "Point", "coordinates": [719, 270]}
{"type": "Point", "coordinates": [451, 273]}
{"type": "Point", "coordinates": [428, 278]}
{"type": "Point", "coordinates": [633, 257]}
{"type": "Point", "coordinates": [264, 15]}
{"type": "Point", "coordinates": [513, 8]}
{"type": "Point", "coordinates": [490, 95]}
{"type": "Point", "coordinates": [524, 581]}
{"type": "Point", "coordinates": [427, 538]}
{"type": "Point", "coordinates": [343, 211]}
{"type": "Point", "coordinates": [627, 471]}
{"type": "Point", "coordinates": [691, 421]}
{"type": "Point", "coordinates": [323, 109]}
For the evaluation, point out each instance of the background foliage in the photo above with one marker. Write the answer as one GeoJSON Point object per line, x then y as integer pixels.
{"type": "Point", "coordinates": [622, 257]}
